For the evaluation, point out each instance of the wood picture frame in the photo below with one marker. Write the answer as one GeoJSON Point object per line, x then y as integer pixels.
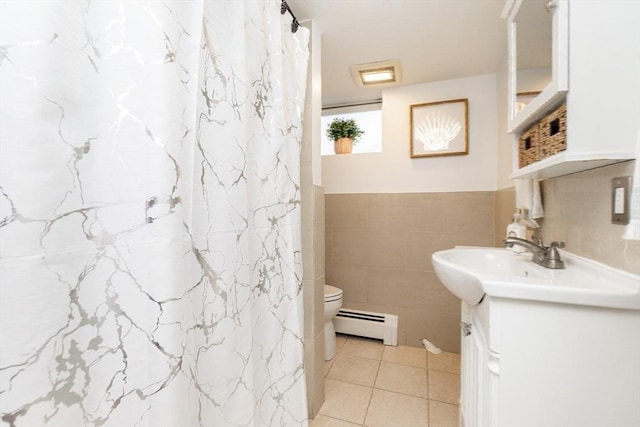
{"type": "Point", "coordinates": [439, 128]}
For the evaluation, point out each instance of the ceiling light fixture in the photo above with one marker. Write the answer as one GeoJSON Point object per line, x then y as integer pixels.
{"type": "Point", "coordinates": [377, 73]}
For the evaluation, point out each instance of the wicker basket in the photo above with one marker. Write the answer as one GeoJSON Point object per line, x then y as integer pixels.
{"type": "Point", "coordinates": [528, 146]}
{"type": "Point", "coordinates": [553, 132]}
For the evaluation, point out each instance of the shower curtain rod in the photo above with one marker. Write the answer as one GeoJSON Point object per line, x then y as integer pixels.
{"type": "Point", "coordinates": [284, 7]}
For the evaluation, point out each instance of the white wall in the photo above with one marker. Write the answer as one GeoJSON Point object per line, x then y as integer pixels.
{"type": "Point", "coordinates": [311, 140]}
{"type": "Point", "coordinates": [393, 171]}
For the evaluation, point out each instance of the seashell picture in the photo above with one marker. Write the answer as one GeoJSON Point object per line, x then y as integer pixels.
{"type": "Point", "coordinates": [439, 128]}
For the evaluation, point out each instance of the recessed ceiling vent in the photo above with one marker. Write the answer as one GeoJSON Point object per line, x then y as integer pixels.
{"type": "Point", "coordinates": [382, 73]}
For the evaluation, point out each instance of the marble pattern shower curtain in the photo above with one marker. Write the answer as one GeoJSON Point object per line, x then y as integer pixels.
{"type": "Point", "coordinates": [150, 266]}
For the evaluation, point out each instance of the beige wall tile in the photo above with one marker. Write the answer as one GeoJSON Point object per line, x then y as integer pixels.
{"type": "Point", "coordinates": [349, 247]}
{"type": "Point", "coordinates": [578, 212]}
{"type": "Point", "coordinates": [388, 409]}
{"type": "Point", "coordinates": [308, 249]}
{"type": "Point", "coordinates": [410, 289]}
{"type": "Point", "coordinates": [318, 372]}
{"type": "Point", "coordinates": [319, 248]}
{"type": "Point", "coordinates": [313, 250]}
{"type": "Point", "coordinates": [379, 247]}
{"type": "Point", "coordinates": [442, 329]}
{"type": "Point", "coordinates": [346, 211]}
{"type": "Point", "coordinates": [382, 212]}
{"type": "Point", "coordinates": [421, 246]}
{"type": "Point", "coordinates": [421, 211]}
{"type": "Point", "coordinates": [386, 249]}
{"type": "Point", "coordinates": [318, 306]}
{"type": "Point", "coordinates": [308, 306]}
{"type": "Point", "coordinates": [319, 205]}
{"type": "Point", "coordinates": [407, 211]}
{"type": "Point", "coordinates": [505, 207]}
{"type": "Point", "coordinates": [314, 375]}
{"type": "Point", "coordinates": [469, 211]}
{"type": "Point", "coordinates": [351, 279]}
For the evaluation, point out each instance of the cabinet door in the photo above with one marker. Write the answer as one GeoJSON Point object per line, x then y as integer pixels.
{"type": "Point", "coordinates": [473, 378]}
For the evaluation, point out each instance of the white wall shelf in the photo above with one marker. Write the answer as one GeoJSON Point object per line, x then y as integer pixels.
{"type": "Point", "coordinates": [566, 163]}
{"type": "Point", "coordinates": [597, 42]}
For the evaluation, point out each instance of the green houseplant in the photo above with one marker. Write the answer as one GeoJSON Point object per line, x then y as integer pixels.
{"type": "Point", "coordinates": [344, 133]}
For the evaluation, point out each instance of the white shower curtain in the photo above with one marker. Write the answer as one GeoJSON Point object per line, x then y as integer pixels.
{"type": "Point", "coordinates": [150, 265]}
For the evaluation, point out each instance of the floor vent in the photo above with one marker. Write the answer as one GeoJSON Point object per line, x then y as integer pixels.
{"type": "Point", "coordinates": [366, 324]}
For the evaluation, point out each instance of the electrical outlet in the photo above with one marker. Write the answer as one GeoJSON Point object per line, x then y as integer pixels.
{"type": "Point", "coordinates": [620, 195]}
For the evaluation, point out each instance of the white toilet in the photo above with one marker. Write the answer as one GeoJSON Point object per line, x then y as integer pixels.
{"type": "Point", "coordinates": [332, 303]}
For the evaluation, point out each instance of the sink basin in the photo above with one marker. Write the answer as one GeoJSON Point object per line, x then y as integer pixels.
{"type": "Point", "coordinates": [471, 272]}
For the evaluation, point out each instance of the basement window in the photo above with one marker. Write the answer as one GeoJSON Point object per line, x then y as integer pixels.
{"type": "Point", "coordinates": [369, 118]}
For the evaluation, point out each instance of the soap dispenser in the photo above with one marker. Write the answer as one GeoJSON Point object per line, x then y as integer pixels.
{"type": "Point", "coordinates": [517, 229]}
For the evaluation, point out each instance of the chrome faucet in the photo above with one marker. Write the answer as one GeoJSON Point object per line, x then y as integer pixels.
{"type": "Point", "coordinates": [546, 256]}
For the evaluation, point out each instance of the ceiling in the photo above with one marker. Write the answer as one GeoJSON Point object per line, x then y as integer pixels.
{"type": "Point", "coordinates": [434, 39]}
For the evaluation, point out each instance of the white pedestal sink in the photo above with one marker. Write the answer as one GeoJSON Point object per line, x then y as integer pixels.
{"type": "Point", "coordinates": [471, 272]}
{"type": "Point", "coordinates": [544, 347]}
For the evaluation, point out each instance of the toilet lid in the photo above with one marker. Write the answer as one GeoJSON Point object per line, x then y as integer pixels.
{"type": "Point", "coordinates": [331, 293]}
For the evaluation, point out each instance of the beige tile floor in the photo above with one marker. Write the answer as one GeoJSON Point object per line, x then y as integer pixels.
{"type": "Point", "coordinates": [373, 385]}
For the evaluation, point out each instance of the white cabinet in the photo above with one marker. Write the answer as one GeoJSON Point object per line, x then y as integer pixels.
{"type": "Point", "coordinates": [596, 64]}
{"type": "Point", "coordinates": [528, 363]}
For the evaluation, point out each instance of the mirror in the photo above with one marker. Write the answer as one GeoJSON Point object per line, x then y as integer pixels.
{"type": "Point", "coordinates": [538, 58]}
{"type": "Point", "coordinates": [533, 26]}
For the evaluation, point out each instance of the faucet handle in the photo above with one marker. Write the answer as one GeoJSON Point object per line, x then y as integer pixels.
{"type": "Point", "coordinates": [537, 240]}
{"type": "Point", "coordinates": [553, 260]}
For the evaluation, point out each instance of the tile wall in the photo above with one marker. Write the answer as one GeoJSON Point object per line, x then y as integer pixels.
{"type": "Point", "coordinates": [378, 251]}
{"type": "Point", "coordinates": [578, 212]}
{"type": "Point", "coordinates": [378, 246]}
{"type": "Point", "coordinates": [504, 207]}
{"type": "Point", "coordinates": [313, 250]}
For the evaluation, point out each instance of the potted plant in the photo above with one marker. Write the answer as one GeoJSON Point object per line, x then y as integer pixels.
{"type": "Point", "coordinates": [344, 133]}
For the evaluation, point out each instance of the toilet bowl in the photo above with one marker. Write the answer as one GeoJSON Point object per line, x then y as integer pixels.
{"type": "Point", "coordinates": [332, 303]}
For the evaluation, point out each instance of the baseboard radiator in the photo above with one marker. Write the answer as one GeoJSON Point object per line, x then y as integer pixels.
{"type": "Point", "coordinates": [366, 324]}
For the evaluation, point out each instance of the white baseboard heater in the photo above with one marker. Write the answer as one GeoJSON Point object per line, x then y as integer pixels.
{"type": "Point", "coordinates": [366, 324]}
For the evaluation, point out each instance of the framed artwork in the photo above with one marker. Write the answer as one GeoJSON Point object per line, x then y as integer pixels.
{"type": "Point", "coordinates": [439, 128]}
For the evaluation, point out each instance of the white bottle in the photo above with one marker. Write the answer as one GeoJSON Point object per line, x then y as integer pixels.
{"type": "Point", "coordinates": [517, 229]}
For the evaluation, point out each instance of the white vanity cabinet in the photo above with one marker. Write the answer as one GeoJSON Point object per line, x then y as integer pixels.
{"type": "Point", "coordinates": [595, 69]}
{"type": "Point", "coordinates": [532, 363]}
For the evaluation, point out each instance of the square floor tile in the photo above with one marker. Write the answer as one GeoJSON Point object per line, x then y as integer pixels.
{"type": "Point", "coordinates": [402, 379]}
{"type": "Point", "coordinates": [443, 414]}
{"type": "Point", "coordinates": [323, 421]}
{"type": "Point", "coordinates": [354, 369]}
{"type": "Point", "coordinates": [444, 387]}
{"type": "Point", "coordinates": [388, 409]}
{"type": "Point", "coordinates": [363, 347]}
{"type": "Point", "coordinates": [345, 401]}
{"type": "Point", "coordinates": [445, 362]}
{"type": "Point", "coordinates": [405, 355]}
{"type": "Point", "coordinates": [340, 340]}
